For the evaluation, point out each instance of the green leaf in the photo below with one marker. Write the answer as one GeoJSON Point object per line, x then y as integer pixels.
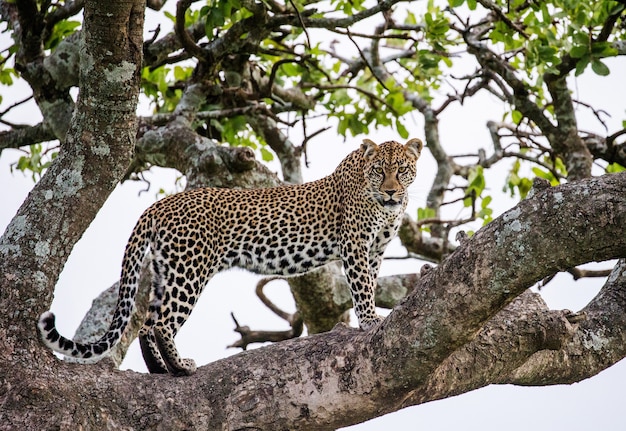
{"type": "Point", "coordinates": [578, 51]}
{"type": "Point", "coordinates": [476, 185]}
{"type": "Point", "coordinates": [485, 202]}
{"type": "Point", "coordinates": [524, 187]}
{"type": "Point", "coordinates": [600, 68]}
{"type": "Point", "coordinates": [476, 180]}
{"type": "Point", "coordinates": [60, 31]}
{"type": "Point", "coordinates": [266, 155]}
{"type": "Point", "coordinates": [402, 131]}
{"type": "Point", "coordinates": [516, 116]}
{"type": "Point", "coordinates": [455, 3]}
{"type": "Point", "coordinates": [36, 161]}
{"type": "Point", "coordinates": [6, 76]}
{"type": "Point", "coordinates": [581, 38]}
{"type": "Point", "coordinates": [615, 168]}
{"type": "Point", "coordinates": [603, 49]}
{"type": "Point", "coordinates": [581, 65]}
{"type": "Point", "coordinates": [425, 214]}
{"type": "Point", "coordinates": [546, 175]}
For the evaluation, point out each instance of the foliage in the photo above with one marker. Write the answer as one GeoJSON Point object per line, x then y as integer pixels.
{"type": "Point", "coordinates": [313, 66]}
{"type": "Point", "coordinates": [35, 161]}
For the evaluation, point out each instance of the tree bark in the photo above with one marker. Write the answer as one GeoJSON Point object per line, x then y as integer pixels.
{"type": "Point", "coordinates": [92, 159]}
{"type": "Point", "coordinates": [442, 339]}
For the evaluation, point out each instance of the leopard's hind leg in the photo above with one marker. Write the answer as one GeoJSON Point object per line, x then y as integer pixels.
{"type": "Point", "coordinates": [147, 340]}
{"type": "Point", "coordinates": [151, 355]}
{"type": "Point", "coordinates": [180, 295]}
{"type": "Point", "coordinates": [176, 365]}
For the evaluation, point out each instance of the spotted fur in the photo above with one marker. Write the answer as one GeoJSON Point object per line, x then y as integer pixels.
{"type": "Point", "coordinates": [350, 215]}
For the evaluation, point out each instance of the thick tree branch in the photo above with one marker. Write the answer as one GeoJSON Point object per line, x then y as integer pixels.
{"type": "Point", "coordinates": [606, 148]}
{"type": "Point", "coordinates": [53, 98]}
{"type": "Point", "coordinates": [567, 142]}
{"type": "Point", "coordinates": [345, 376]}
{"type": "Point", "coordinates": [201, 160]}
{"type": "Point", "coordinates": [430, 248]}
{"type": "Point", "coordinates": [505, 343]}
{"type": "Point", "coordinates": [598, 342]}
{"type": "Point", "coordinates": [98, 318]}
{"type": "Point", "coordinates": [39, 239]}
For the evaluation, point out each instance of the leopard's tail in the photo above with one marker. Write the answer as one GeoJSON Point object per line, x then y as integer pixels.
{"type": "Point", "coordinates": [129, 282]}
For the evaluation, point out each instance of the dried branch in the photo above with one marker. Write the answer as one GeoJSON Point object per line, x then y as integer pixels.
{"type": "Point", "coordinates": [249, 336]}
{"type": "Point", "coordinates": [579, 273]}
{"type": "Point", "coordinates": [596, 113]}
{"type": "Point", "coordinates": [266, 301]}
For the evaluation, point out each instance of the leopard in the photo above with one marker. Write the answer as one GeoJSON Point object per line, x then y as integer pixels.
{"type": "Point", "coordinates": [349, 216]}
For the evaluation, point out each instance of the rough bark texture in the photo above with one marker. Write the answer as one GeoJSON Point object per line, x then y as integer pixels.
{"type": "Point", "coordinates": [347, 376]}
{"type": "Point", "coordinates": [97, 149]}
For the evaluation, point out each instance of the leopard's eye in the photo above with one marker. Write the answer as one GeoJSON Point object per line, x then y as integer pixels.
{"type": "Point", "coordinates": [378, 169]}
{"type": "Point", "coordinates": [402, 169]}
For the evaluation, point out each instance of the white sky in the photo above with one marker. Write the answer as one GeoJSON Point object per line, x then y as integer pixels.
{"type": "Point", "coordinates": [94, 265]}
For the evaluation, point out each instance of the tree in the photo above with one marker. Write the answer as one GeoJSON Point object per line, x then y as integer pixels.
{"type": "Point", "coordinates": [245, 73]}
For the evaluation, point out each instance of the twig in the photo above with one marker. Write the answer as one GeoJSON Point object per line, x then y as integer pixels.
{"type": "Point", "coordinates": [502, 17]}
{"type": "Point", "coordinates": [352, 87]}
{"type": "Point", "coordinates": [579, 273]}
{"type": "Point", "coordinates": [596, 113]}
{"type": "Point", "coordinates": [366, 61]}
{"type": "Point", "coordinates": [306, 32]}
{"type": "Point", "coordinates": [249, 336]}
{"type": "Point", "coordinates": [452, 223]}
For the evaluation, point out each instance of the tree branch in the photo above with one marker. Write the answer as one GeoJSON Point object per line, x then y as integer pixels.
{"type": "Point", "coordinates": [249, 336]}
{"type": "Point", "coordinates": [598, 342]}
{"type": "Point", "coordinates": [67, 198]}
{"type": "Point", "coordinates": [24, 136]}
{"type": "Point", "coordinates": [347, 376]}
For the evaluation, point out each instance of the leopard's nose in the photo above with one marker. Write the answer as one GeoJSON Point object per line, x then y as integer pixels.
{"type": "Point", "coordinates": [390, 192]}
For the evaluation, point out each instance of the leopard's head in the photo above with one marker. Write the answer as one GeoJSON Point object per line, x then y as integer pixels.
{"type": "Point", "coordinates": [390, 169]}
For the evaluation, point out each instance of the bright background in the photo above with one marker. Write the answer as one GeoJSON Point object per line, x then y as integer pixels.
{"type": "Point", "coordinates": [94, 265]}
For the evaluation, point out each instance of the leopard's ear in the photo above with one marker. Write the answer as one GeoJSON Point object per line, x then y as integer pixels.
{"type": "Point", "coordinates": [414, 146]}
{"type": "Point", "coordinates": [368, 148]}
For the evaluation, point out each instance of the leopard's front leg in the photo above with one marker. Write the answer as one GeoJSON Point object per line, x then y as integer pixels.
{"type": "Point", "coordinates": [362, 282]}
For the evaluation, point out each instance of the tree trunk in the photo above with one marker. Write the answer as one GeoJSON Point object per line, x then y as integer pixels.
{"type": "Point", "coordinates": [93, 158]}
